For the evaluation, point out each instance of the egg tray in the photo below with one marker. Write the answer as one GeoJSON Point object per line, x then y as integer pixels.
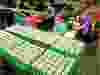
{"type": "Point", "coordinates": [29, 8]}
{"type": "Point", "coordinates": [41, 49]}
{"type": "Point", "coordinates": [28, 39]}
{"type": "Point", "coordinates": [12, 60]}
{"type": "Point", "coordinates": [20, 67]}
{"type": "Point", "coordinates": [71, 7]}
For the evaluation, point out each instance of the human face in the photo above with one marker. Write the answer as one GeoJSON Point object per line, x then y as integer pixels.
{"type": "Point", "coordinates": [83, 4]}
{"type": "Point", "coordinates": [91, 2]}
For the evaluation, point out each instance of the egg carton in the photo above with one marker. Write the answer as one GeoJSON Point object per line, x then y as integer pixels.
{"type": "Point", "coordinates": [29, 8]}
{"type": "Point", "coordinates": [49, 61]}
{"type": "Point", "coordinates": [56, 39]}
{"type": "Point", "coordinates": [7, 40]}
{"type": "Point", "coordinates": [71, 7]}
{"type": "Point", "coordinates": [40, 54]}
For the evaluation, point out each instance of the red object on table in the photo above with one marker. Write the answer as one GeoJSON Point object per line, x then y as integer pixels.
{"type": "Point", "coordinates": [33, 19]}
{"type": "Point", "coordinates": [28, 19]}
{"type": "Point", "coordinates": [59, 19]}
{"type": "Point", "coordinates": [36, 20]}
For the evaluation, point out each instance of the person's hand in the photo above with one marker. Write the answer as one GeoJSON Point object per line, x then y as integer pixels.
{"type": "Point", "coordinates": [76, 24]}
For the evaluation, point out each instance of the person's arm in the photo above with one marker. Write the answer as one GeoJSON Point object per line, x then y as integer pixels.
{"type": "Point", "coordinates": [98, 27]}
{"type": "Point", "coordinates": [98, 35]}
{"type": "Point", "coordinates": [98, 38]}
